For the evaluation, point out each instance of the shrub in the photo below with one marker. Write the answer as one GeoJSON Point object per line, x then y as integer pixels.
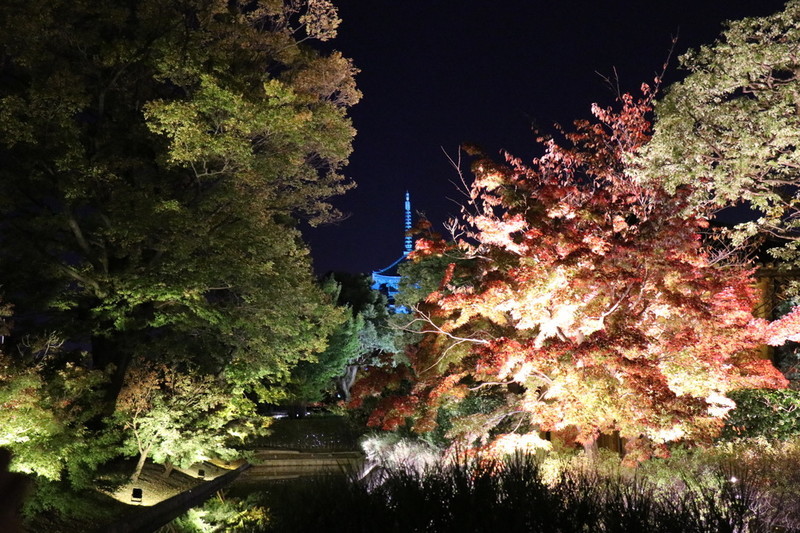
{"type": "Point", "coordinates": [774, 414]}
{"type": "Point", "coordinates": [511, 496]}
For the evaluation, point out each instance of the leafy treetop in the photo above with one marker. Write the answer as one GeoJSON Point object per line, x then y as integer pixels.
{"type": "Point", "coordinates": [731, 130]}
{"type": "Point", "coordinates": [582, 302]}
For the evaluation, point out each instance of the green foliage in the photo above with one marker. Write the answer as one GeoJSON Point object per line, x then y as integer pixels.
{"type": "Point", "coordinates": [155, 164]}
{"type": "Point", "coordinates": [421, 278]}
{"type": "Point", "coordinates": [157, 160]}
{"type": "Point", "coordinates": [731, 130]}
{"type": "Point", "coordinates": [44, 410]}
{"type": "Point", "coordinates": [772, 414]}
{"type": "Point", "coordinates": [364, 334]}
{"type": "Point", "coordinates": [221, 514]}
{"type": "Point", "coordinates": [179, 417]}
{"type": "Point", "coordinates": [767, 468]}
{"type": "Point", "coordinates": [787, 355]}
{"type": "Point", "coordinates": [57, 506]}
{"type": "Point", "coordinates": [376, 335]}
{"type": "Point", "coordinates": [312, 380]}
{"type": "Point", "coordinates": [451, 417]}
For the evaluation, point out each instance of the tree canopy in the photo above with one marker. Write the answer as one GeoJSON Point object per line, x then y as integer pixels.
{"type": "Point", "coordinates": [359, 340]}
{"type": "Point", "coordinates": [157, 159]}
{"type": "Point", "coordinates": [576, 301]}
{"type": "Point", "coordinates": [730, 130]}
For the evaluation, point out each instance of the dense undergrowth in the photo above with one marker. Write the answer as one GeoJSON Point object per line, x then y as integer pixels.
{"type": "Point", "coordinates": [737, 488]}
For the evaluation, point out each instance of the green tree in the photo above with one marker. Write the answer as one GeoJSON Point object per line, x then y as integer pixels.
{"type": "Point", "coordinates": [771, 414]}
{"type": "Point", "coordinates": [377, 335]}
{"type": "Point", "coordinates": [313, 380]}
{"type": "Point", "coordinates": [157, 156]}
{"type": "Point", "coordinates": [176, 417]}
{"type": "Point", "coordinates": [730, 131]}
{"type": "Point", "coordinates": [363, 334]}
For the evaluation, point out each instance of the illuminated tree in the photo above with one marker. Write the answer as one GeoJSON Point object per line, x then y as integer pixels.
{"type": "Point", "coordinates": [731, 130]}
{"type": "Point", "coordinates": [176, 417]}
{"type": "Point", "coordinates": [45, 404]}
{"type": "Point", "coordinates": [580, 302]}
{"type": "Point", "coordinates": [157, 157]}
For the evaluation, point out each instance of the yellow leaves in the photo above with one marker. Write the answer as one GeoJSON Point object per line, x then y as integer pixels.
{"type": "Point", "coordinates": [489, 181]}
{"type": "Point", "coordinates": [554, 391]}
{"type": "Point", "coordinates": [597, 244]}
{"type": "Point", "coordinates": [554, 323]}
{"type": "Point", "coordinates": [659, 310]}
{"type": "Point", "coordinates": [590, 325]}
{"type": "Point", "coordinates": [515, 363]}
{"type": "Point", "coordinates": [666, 434]}
{"type": "Point", "coordinates": [221, 127]}
{"type": "Point", "coordinates": [511, 443]}
{"type": "Point", "coordinates": [619, 224]}
{"type": "Point", "coordinates": [167, 206]}
{"type": "Point", "coordinates": [523, 372]}
{"type": "Point", "coordinates": [320, 19]}
{"type": "Point", "coordinates": [330, 78]}
{"type": "Point", "coordinates": [468, 305]}
{"type": "Point", "coordinates": [499, 233]}
{"type": "Point", "coordinates": [719, 405]}
{"type": "Point", "coordinates": [562, 210]}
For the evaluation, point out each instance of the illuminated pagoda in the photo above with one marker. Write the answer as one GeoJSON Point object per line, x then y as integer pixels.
{"type": "Point", "coordinates": [387, 280]}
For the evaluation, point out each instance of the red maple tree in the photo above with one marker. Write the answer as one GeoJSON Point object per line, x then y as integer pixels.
{"type": "Point", "coordinates": [582, 300]}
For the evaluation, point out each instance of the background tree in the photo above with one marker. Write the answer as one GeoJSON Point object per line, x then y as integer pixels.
{"type": "Point", "coordinates": [377, 335]}
{"type": "Point", "coordinates": [364, 334]}
{"type": "Point", "coordinates": [157, 157]}
{"type": "Point", "coordinates": [583, 304]}
{"type": "Point", "coordinates": [730, 131]}
{"type": "Point", "coordinates": [313, 381]}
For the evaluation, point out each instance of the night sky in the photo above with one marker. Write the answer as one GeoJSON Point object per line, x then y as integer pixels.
{"type": "Point", "coordinates": [436, 74]}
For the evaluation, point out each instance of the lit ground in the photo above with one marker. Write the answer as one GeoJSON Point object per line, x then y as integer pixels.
{"type": "Point", "coordinates": [157, 488]}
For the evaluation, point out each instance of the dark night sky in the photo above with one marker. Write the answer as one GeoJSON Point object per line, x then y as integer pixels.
{"type": "Point", "coordinates": [438, 73]}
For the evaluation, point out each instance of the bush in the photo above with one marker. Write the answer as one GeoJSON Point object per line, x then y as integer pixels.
{"type": "Point", "coordinates": [774, 414]}
{"type": "Point", "coordinates": [512, 496]}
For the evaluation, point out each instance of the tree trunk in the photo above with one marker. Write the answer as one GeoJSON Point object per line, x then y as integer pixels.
{"type": "Point", "coordinates": [140, 465]}
{"type": "Point", "coordinates": [591, 449]}
{"type": "Point", "coordinates": [168, 468]}
{"type": "Point", "coordinates": [106, 351]}
{"type": "Point", "coordinates": [345, 382]}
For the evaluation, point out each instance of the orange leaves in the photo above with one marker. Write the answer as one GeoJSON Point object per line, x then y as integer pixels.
{"type": "Point", "coordinates": [377, 381]}
{"type": "Point", "coordinates": [392, 412]}
{"type": "Point", "coordinates": [425, 247]}
{"type": "Point", "coordinates": [762, 374]}
{"type": "Point", "coordinates": [587, 303]}
{"type": "Point", "coordinates": [619, 224]}
{"type": "Point", "coordinates": [446, 386]}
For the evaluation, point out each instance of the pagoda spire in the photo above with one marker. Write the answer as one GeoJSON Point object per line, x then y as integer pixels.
{"type": "Point", "coordinates": [409, 244]}
{"type": "Point", "coordinates": [387, 280]}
